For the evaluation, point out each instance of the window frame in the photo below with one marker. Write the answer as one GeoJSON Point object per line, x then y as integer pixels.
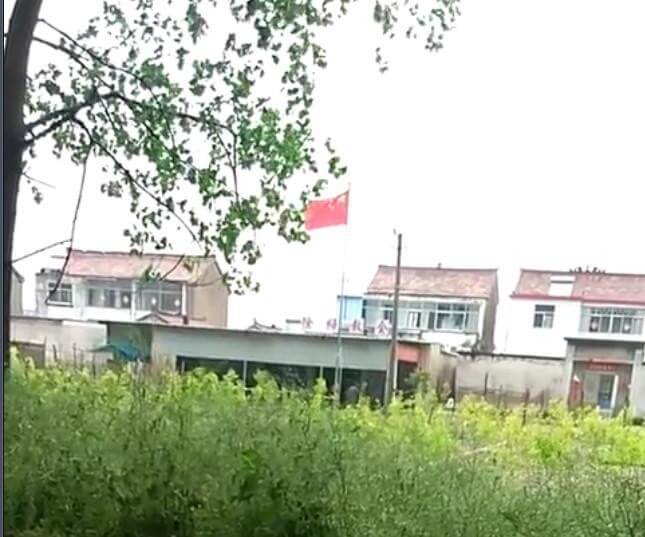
{"type": "Point", "coordinates": [156, 291]}
{"type": "Point", "coordinates": [387, 313]}
{"type": "Point", "coordinates": [419, 317]}
{"type": "Point", "coordinates": [53, 302]}
{"type": "Point", "coordinates": [607, 318]}
{"type": "Point", "coordinates": [103, 288]}
{"type": "Point", "coordinates": [547, 312]}
{"type": "Point", "coordinates": [464, 310]}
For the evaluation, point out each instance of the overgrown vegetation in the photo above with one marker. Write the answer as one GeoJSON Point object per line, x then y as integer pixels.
{"type": "Point", "coordinates": [198, 455]}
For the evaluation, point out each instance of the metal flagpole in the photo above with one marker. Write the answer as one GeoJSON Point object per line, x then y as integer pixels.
{"type": "Point", "coordinates": [338, 369]}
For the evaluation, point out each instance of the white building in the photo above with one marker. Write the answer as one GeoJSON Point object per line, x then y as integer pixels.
{"type": "Point", "coordinates": [454, 307]}
{"type": "Point", "coordinates": [594, 322]}
{"type": "Point", "coordinates": [117, 286]}
{"type": "Point", "coordinates": [17, 280]}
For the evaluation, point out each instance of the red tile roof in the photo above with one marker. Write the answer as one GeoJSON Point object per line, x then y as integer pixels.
{"type": "Point", "coordinates": [440, 282]}
{"type": "Point", "coordinates": [587, 286]}
{"type": "Point", "coordinates": [125, 265]}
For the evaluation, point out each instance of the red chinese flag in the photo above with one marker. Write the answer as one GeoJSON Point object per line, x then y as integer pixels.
{"type": "Point", "coordinates": [329, 212]}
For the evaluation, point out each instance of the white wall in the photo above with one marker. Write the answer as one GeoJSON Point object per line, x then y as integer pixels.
{"type": "Point", "coordinates": [522, 338]}
{"type": "Point", "coordinates": [449, 339]}
{"type": "Point", "coordinates": [75, 311]}
{"type": "Point", "coordinates": [79, 309]}
{"type": "Point", "coordinates": [70, 338]}
{"type": "Point", "coordinates": [637, 391]}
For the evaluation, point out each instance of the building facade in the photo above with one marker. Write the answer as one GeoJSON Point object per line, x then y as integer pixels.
{"type": "Point", "coordinates": [117, 286]}
{"type": "Point", "coordinates": [593, 321]}
{"type": "Point", "coordinates": [17, 280]}
{"type": "Point", "coordinates": [294, 359]}
{"type": "Point", "coordinates": [454, 307]}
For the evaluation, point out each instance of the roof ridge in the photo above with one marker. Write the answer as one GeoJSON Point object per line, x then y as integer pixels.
{"type": "Point", "coordinates": [130, 254]}
{"type": "Point", "coordinates": [447, 269]}
{"type": "Point", "coordinates": [584, 273]}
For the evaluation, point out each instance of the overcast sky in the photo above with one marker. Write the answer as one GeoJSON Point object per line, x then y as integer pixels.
{"type": "Point", "coordinates": [521, 144]}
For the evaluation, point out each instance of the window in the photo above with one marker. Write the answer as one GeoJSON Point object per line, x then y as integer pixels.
{"type": "Point", "coordinates": [161, 296]}
{"type": "Point", "coordinates": [561, 285]}
{"type": "Point", "coordinates": [453, 317]}
{"type": "Point", "coordinates": [413, 319]}
{"type": "Point", "coordinates": [388, 313]}
{"type": "Point", "coordinates": [62, 296]}
{"type": "Point", "coordinates": [109, 294]}
{"type": "Point", "coordinates": [543, 316]}
{"type": "Point", "coordinates": [612, 320]}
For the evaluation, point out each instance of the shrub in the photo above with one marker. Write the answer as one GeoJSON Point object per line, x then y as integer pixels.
{"type": "Point", "coordinates": [198, 455]}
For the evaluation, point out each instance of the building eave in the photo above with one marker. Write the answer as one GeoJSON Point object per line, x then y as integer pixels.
{"type": "Point", "coordinates": [374, 294]}
{"type": "Point", "coordinates": [601, 339]}
{"type": "Point", "coordinates": [585, 300]}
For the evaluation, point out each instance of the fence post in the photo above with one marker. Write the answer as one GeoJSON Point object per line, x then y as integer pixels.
{"type": "Point", "coordinates": [527, 396]}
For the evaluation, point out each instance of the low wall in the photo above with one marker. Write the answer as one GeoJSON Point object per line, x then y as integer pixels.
{"type": "Point", "coordinates": [59, 341]}
{"type": "Point", "coordinates": [511, 379]}
{"type": "Point", "coordinates": [637, 392]}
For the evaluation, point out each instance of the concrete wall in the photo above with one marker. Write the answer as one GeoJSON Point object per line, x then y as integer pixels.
{"type": "Point", "coordinates": [508, 377]}
{"type": "Point", "coordinates": [208, 299]}
{"type": "Point", "coordinates": [441, 366]}
{"type": "Point", "coordinates": [294, 349]}
{"type": "Point", "coordinates": [65, 341]}
{"type": "Point", "coordinates": [605, 351]}
{"type": "Point", "coordinates": [16, 294]}
{"type": "Point", "coordinates": [637, 395]}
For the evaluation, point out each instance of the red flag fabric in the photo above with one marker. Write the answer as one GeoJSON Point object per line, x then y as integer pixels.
{"type": "Point", "coordinates": [329, 212]}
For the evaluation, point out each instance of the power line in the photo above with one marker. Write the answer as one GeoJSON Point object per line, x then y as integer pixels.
{"type": "Point", "coordinates": [71, 237]}
{"type": "Point", "coordinates": [39, 181]}
{"type": "Point", "coordinates": [40, 250]}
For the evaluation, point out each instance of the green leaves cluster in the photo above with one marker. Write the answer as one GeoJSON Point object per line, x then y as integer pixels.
{"type": "Point", "coordinates": [201, 112]}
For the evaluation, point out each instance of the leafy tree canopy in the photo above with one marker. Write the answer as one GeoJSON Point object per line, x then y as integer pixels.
{"type": "Point", "coordinates": [178, 101]}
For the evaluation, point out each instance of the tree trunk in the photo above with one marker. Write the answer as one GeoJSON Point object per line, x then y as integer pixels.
{"type": "Point", "coordinates": [16, 57]}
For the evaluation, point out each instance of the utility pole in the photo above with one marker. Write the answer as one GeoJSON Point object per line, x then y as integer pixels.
{"type": "Point", "coordinates": [390, 373]}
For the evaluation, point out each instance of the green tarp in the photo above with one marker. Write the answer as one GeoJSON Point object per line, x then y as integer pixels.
{"type": "Point", "coordinates": [121, 350]}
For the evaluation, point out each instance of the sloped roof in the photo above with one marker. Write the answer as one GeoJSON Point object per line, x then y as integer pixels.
{"type": "Point", "coordinates": [156, 317]}
{"type": "Point", "coordinates": [587, 286]}
{"type": "Point", "coordinates": [17, 274]}
{"type": "Point", "coordinates": [439, 282]}
{"type": "Point", "coordinates": [127, 266]}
